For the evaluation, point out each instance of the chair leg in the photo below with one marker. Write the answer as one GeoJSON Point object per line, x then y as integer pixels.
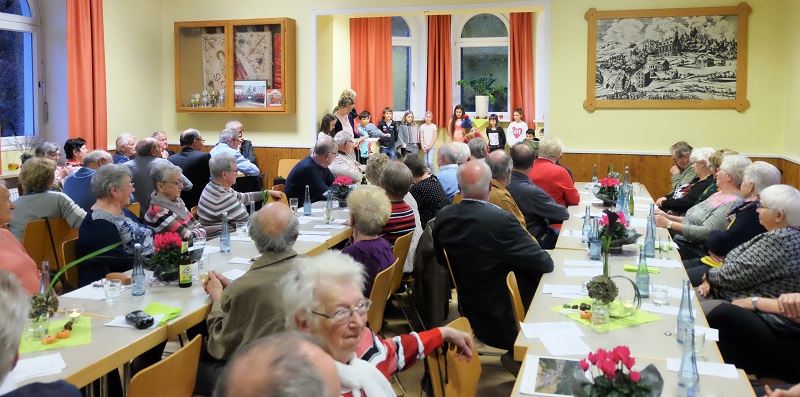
{"type": "Point", "coordinates": [414, 306]}
{"type": "Point", "coordinates": [396, 379]}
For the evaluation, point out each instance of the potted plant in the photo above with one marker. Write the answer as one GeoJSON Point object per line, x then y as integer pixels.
{"type": "Point", "coordinates": [614, 376]}
{"type": "Point", "coordinates": [168, 253]}
{"type": "Point", "coordinates": [484, 90]}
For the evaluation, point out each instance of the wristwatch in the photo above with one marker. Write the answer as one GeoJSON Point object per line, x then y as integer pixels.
{"type": "Point", "coordinates": [669, 225]}
{"type": "Point", "coordinates": [755, 303]}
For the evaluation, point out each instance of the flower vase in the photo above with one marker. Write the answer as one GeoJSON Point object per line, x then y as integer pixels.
{"type": "Point", "coordinates": [38, 327]}
{"type": "Point", "coordinates": [601, 317]}
{"type": "Point", "coordinates": [605, 263]}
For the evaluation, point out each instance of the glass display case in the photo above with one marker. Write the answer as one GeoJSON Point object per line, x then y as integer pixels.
{"type": "Point", "coordinates": [235, 66]}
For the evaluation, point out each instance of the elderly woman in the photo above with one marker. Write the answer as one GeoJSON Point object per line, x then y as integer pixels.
{"type": "Point", "coordinates": [369, 211]}
{"type": "Point", "coordinates": [743, 222]}
{"type": "Point", "coordinates": [685, 196]}
{"type": "Point", "coordinates": [75, 149]}
{"type": "Point", "coordinates": [375, 165]}
{"type": "Point", "coordinates": [427, 190]}
{"type": "Point", "coordinates": [219, 197]}
{"type": "Point", "coordinates": [322, 296]}
{"type": "Point", "coordinates": [13, 257]}
{"type": "Point", "coordinates": [50, 150]}
{"type": "Point", "coordinates": [40, 201]}
{"type": "Point", "coordinates": [109, 223]}
{"type": "Point", "coordinates": [345, 164]}
{"type": "Point", "coordinates": [161, 137]}
{"type": "Point", "coordinates": [167, 212]}
{"type": "Point", "coordinates": [692, 230]}
{"type": "Point", "coordinates": [396, 181]}
{"type": "Point", "coordinates": [714, 162]}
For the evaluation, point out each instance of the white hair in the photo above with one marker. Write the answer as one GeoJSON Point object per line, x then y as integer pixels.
{"type": "Point", "coordinates": [551, 148]}
{"type": "Point", "coordinates": [701, 153]}
{"type": "Point", "coordinates": [762, 175]}
{"type": "Point", "coordinates": [783, 198]}
{"type": "Point", "coordinates": [463, 152]}
{"type": "Point", "coordinates": [14, 308]}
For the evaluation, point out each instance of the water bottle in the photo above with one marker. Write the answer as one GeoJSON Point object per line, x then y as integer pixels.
{"type": "Point", "coordinates": [307, 203]}
{"type": "Point", "coordinates": [627, 180]}
{"type": "Point", "coordinates": [329, 208]}
{"type": "Point", "coordinates": [650, 235]}
{"type": "Point", "coordinates": [595, 249]}
{"type": "Point", "coordinates": [250, 217]}
{"type": "Point", "coordinates": [622, 200]}
{"type": "Point", "coordinates": [587, 226]}
{"type": "Point", "coordinates": [137, 277]}
{"type": "Point", "coordinates": [594, 175]}
{"type": "Point", "coordinates": [630, 201]}
{"type": "Point", "coordinates": [643, 276]}
{"type": "Point", "coordinates": [685, 316]}
{"type": "Point", "coordinates": [688, 377]}
{"type": "Point", "coordinates": [225, 236]}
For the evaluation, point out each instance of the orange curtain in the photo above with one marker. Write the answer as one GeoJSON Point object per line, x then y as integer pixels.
{"type": "Point", "coordinates": [86, 73]}
{"type": "Point", "coordinates": [439, 94]}
{"type": "Point", "coordinates": [371, 68]}
{"type": "Point", "coordinates": [521, 60]}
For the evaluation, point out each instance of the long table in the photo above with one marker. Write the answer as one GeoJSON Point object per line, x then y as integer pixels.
{"type": "Point", "coordinates": [112, 347]}
{"type": "Point", "coordinates": [649, 343]}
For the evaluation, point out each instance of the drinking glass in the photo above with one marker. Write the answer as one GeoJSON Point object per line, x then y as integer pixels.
{"type": "Point", "coordinates": [658, 294]}
{"type": "Point", "coordinates": [699, 343]}
{"type": "Point", "coordinates": [113, 289]}
{"type": "Point", "coordinates": [293, 204]}
{"type": "Point", "coordinates": [328, 216]}
{"type": "Point", "coordinates": [241, 229]}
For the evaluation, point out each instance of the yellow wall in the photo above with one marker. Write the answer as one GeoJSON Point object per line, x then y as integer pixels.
{"type": "Point", "coordinates": [792, 127]}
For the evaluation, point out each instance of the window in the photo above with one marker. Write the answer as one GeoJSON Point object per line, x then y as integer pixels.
{"type": "Point", "coordinates": [403, 50]}
{"type": "Point", "coordinates": [19, 33]}
{"type": "Point", "coordinates": [481, 50]}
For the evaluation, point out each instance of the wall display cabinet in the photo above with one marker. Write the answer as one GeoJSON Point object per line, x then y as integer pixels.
{"type": "Point", "coordinates": [235, 66]}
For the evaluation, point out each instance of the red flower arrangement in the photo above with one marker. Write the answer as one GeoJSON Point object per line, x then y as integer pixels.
{"type": "Point", "coordinates": [168, 253]}
{"type": "Point", "coordinates": [343, 180]}
{"type": "Point", "coordinates": [614, 225]}
{"type": "Point", "coordinates": [609, 182]}
{"type": "Point", "coordinates": [341, 188]}
{"type": "Point", "coordinates": [167, 240]}
{"type": "Point", "coordinates": [615, 375]}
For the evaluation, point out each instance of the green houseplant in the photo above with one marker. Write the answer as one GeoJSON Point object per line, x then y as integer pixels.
{"type": "Point", "coordinates": [483, 86]}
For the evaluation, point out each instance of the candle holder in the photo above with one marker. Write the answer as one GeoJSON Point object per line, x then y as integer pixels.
{"type": "Point", "coordinates": [75, 313]}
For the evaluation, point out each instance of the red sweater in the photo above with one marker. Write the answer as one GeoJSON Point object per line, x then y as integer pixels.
{"type": "Point", "coordinates": [555, 180]}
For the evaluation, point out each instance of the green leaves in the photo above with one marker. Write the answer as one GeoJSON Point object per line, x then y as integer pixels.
{"type": "Point", "coordinates": [482, 86]}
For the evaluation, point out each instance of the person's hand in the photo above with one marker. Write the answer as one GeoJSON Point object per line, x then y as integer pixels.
{"type": "Point", "coordinates": [276, 194]}
{"type": "Point", "coordinates": [674, 170]}
{"type": "Point", "coordinates": [716, 257]}
{"type": "Point", "coordinates": [213, 285]}
{"type": "Point", "coordinates": [659, 201]}
{"type": "Point", "coordinates": [793, 392]}
{"type": "Point", "coordinates": [164, 154]}
{"type": "Point", "coordinates": [661, 221]}
{"type": "Point", "coordinates": [460, 341]}
{"type": "Point", "coordinates": [744, 303]}
{"type": "Point", "coordinates": [387, 136]}
{"type": "Point", "coordinates": [789, 305]}
{"type": "Point", "coordinates": [704, 288]}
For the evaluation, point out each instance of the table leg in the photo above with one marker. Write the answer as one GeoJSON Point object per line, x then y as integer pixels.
{"type": "Point", "coordinates": [104, 386]}
{"type": "Point", "coordinates": [126, 377]}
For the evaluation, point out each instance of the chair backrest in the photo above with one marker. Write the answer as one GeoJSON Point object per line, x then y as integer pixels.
{"type": "Point", "coordinates": [279, 187]}
{"type": "Point", "coordinates": [451, 377]}
{"type": "Point", "coordinates": [283, 199]}
{"type": "Point", "coordinates": [452, 278]}
{"type": "Point", "coordinates": [38, 245]}
{"type": "Point", "coordinates": [172, 376]}
{"type": "Point", "coordinates": [285, 166]}
{"type": "Point", "coordinates": [457, 198]}
{"type": "Point", "coordinates": [379, 296]}
{"type": "Point", "coordinates": [400, 250]}
{"type": "Point", "coordinates": [135, 207]}
{"type": "Point", "coordinates": [69, 251]}
{"type": "Point", "coordinates": [193, 211]}
{"type": "Point", "coordinates": [516, 300]}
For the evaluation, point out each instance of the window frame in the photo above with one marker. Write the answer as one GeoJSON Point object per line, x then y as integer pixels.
{"type": "Point", "coordinates": [417, 43]}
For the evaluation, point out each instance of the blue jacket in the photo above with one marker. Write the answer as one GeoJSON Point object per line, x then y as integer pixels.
{"type": "Point", "coordinates": [78, 186]}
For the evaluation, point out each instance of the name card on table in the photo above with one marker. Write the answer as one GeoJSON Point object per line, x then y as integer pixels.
{"type": "Point", "coordinates": [706, 368]}
{"type": "Point", "coordinates": [571, 233]}
{"type": "Point", "coordinates": [35, 367]}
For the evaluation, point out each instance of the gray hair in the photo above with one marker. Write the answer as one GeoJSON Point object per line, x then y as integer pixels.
{"type": "Point", "coordinates": [396, 179]}
{"type": "Point", "coordinates": [162, 170]}
{"type": "Point", "coordinates": [304, 286]}
{"type": "Point", "coordinates": [145, 147]}
{"type": "Point", "coordinates": [343, 137]}
{"type": "Point", "coordinates": [375, 165]}
{"type": "Point", "coordinates": [499, 163]}
{"type": "Point", "coordinates": [522, 156]}
{"type": "Point", "coordinates": [734, 166]}
{"type": "Point", "coordinates": [233, 125]}
{"type": "Point", "coordinates": [762, 175]}
{"type": "Point", "coordinates": [266, 242]}
{"type": "Point", "coordinates": [221, 162]}
{"type": "Point", "coordinates": [462, 152]}
{"type": "Point", "coordinates": [45, 148]}
{"type": "Point", "coordinates": [477, 148]}
{"type": "Point", "coordinates": [480, 187]}
{"type": "Point", "coordinates": [416, 164]}
{"type": "Point", "coordinates": [95, 156]}
{"type": "Point", "coordinates": [681, 149]}
{"type": "Point", "coordinates": [324, 146]}
{"type": "Point", "coordinates": [14, 308]}
{"type": "Point", "coordinates": [702, 154]}
{"type": "Point", "coordinates": [782, 198]}
{"type": "Point", "coordinates": [123, 139]}
{"type": "Point", "coordinates": [189, 136]}
{"type": "Point", "coordinates": [107, 176]}
{"type": "Point", "coordinates": [449, 152]}
{"type": "Point", "coordinates": [227, 134]}
{"type": "Point", "coordinates": [157, 133]}
{"type": "Point", "coordinates": [370, 209]}
{"type": "Point", "coordinates": [551, 148]}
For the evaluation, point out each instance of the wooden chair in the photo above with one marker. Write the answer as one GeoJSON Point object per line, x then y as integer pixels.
{"type": "Point", "coordinates": [193, 211]}
{"type": "Point", "coordinates": [172, 376]}
{"type": "Point", "coordinates": [69, 251]}
{"type": "Point", "coordinates": [44, 244]}
{"type": "Point", "coordinates": [457, 198]}
{"type": "Point", "coordinates": [452, 279]}
{"type": "Point", "coordinates": [283, 199]}
{"type": "Point", "coordinates": [451, 377]}
{"type": "Point", "coordinates": [400, 250]}
{"type": "Point", "coordinates": [516, 299]}
{"type": "Point", "coordinates": [135, 207]}
{"type": "Point", "coordinates": [379, 296]}
{"type": "Point", "coordinates": [285, 166]}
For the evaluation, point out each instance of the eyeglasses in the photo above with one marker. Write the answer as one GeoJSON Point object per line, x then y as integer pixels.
{"type": "Point", "coordinates": [342, 316]}
{"type": "Point", "coordinates": [200, 139]}
{"type": "Point", "coordinates": [176, 183]}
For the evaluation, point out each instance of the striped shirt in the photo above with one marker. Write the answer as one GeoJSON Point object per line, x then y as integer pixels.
{"type": "Point", "coordinates": [401, 222]}
{"type": "Point", "coordinates": [217, 199]}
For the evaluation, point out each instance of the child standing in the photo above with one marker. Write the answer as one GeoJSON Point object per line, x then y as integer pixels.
{"type": "Point", "coordinates": [495, 134]}
{"type": "Point", "coordinates": [516, 129]}
{"type": "Point", "coordinates": [366, 129]}
{"type": "Point", "coordinates": [458, 124]}
{"type": "Point", "coordinates": [388, 128]}
{"type": "Point", "coordinates": [427, 138]}
{"type": "Point", "coordinates": [408, 135]}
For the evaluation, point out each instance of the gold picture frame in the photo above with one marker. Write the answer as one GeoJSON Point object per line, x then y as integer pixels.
{"type": "Point", "coordinates": [674, 58]}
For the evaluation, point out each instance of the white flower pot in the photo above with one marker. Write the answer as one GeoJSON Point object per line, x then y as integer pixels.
{"type": "Point", "coordinates": [481, 106]}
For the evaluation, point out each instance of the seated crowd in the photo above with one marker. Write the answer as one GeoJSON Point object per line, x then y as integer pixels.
{"type": "Point", "coordinates": [737, 228]}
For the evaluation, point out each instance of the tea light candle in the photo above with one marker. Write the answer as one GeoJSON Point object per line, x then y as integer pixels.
{"type": "Point", "coordinates": [75, 313]}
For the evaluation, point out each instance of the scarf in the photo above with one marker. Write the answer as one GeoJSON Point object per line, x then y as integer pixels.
{"type": "Point", "coordinates": [177, 207]}
{"type": "Point", "coordinates": [362, 379]}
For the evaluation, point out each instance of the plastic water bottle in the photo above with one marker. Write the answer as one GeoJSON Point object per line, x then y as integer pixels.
{"type": "Point", "coordinates": [225, 236]}
{"type": "Point", "coordinates": [307, 203]}
{"type": "Point", "coordinates": [643, 276]}
{"type": "Point", "coordinates": [688, 377]}
{"type": "Point", "coordinates": [685, 316]}
{"type": "Point", "coordinates": [587, 226]}
{"type": "Point", "coordinates": [137, 277]}
{"type": "Point", "coordinates": [650, 235]}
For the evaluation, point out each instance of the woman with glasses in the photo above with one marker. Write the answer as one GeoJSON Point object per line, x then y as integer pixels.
{"type": "Point", "coordinates": [167, 212]}
{"type": "Point", "coordinates": [322, 296]}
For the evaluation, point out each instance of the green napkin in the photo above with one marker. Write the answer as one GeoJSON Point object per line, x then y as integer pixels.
{"type": "Point", "coordinates": [638, 318]}
{"type": "Point", "coordinates": [81, 335]}
{"type": "Point", "coordinates": [169, 312]}
{"type": "Point", "coordinates": [632, 268]}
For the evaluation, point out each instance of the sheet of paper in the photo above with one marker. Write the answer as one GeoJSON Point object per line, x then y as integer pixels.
{"type": "Point", "coordinates": [712, 334]}
{"type": "Point", "coordinates": [642, 200]}
{"type": "Point", "coordinates": [567, 295]}
{"type": "Point", "coordinates": [676, 292]}
{"type": "Point", "coordinates": [119, 321]}
{"type": "Point", "coordinates": [538, 330]}
{"type": "Point", "coordinates": [313, 238]}
{"type": "Point", "coordinates": [310, 218]}
{"type": "Point", "coordinates": [314, 232]}
{"type": "Point", "coordinates": [210, 249]}
{"type": "Point", "coordinates": [317, 210]}
{"type": "Point", "coordinates": [579, 263]}
{"type": "Point", "coordinates": [239, 261]}
{"type": "Point", "coordinates": [233, 274]}
{"type": "Point", "coordinates": [571, 233]}
{"type": "Point", "coordinates": [638, 222]}
{"type": "Point", "coordinates": [89, 292]}
{"type": "Point", "coordinates": [565, 345]}
{"type": "Point", "coordinates": [240, 238]}
{"type": "Point", "coordinates": [592, 214]}
{"type": "Point", "coordinates": [337, 227]}
{"type": "Point", "coordinates": [664, 263]}
{"type": "Point", "coordinates": [555, 288]}
{"type": "Point", "coordinates": [583, 271]}
{"type": "Point", "coordinates": [48, 364]}
{"type": "Point", "coordinates": [671, 310]}
{"type": "Point", "coordinates": [719, 370]}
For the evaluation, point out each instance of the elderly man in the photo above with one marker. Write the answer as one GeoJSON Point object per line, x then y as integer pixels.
{"type": "Point", "coordinates": [448, 165]}
{"type": "Point", "coordinates": [246, 148]}
{"type": "Point", "coordinates": [194, 163]}
{"type": "Point", "coordinates": [229, 143]}
{"type": "Point", "coordinates": [682, 170]}
{"type": "Point", "coordinates": [483, 244]}
{"type": "Point", "coordinates": [477, 148]}
{"type": "Point", "coordinates": [538, 208]}
{"type": "Point", "coordinates": [552, 177]}
{"type": "Point", "coordinates": [344, 164]}
{"type": "Point", "coordinates": [14, 308]}
{"type": "Point", "coordinates": [219, 197]}
{"type": "Point", "coordinates": [249, 307]}
{"type": "Point", "coordinates": [148, 154]}
{"type": "Point", "coordinates": [161, 137]}
{"type": "Point", "coordinates": [285, 364]}
{"type": "Point", "coordinates": [78, 185]}
{"type": "Point", "coordinates": [313, 172]}
{"type": "Point", "coordinates": [126, 147]}
{"type": "Point", "coordinates": [500, 164]}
